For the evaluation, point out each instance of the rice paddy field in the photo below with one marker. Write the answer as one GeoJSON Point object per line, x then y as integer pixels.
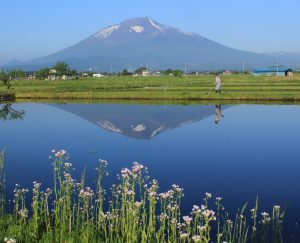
{"type": "Point", "coordinates": [135, 209]}
{"type": "Point", "coordinates": [200, 87]}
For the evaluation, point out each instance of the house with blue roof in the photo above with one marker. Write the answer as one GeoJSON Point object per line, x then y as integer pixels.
{"type": "Point", "coordinates": [273, 71]}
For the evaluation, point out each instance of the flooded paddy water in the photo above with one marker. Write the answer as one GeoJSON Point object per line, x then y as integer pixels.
{"type": "Point", "coordinates": [236, 152]}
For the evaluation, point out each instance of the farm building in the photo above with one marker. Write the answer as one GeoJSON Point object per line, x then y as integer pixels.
{"type": "Point", "coordinates": [52, 74]}
{"type": "Point", "coordinates": [98, 75]}
{"type": "Point", "coordinates": [273, 71]}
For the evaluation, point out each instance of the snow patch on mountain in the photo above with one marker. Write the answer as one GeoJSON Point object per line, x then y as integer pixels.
{"type": "Point", "coordinates": [185, 32]}
{"type": "Point", "coordinates": [139, 128]}
{"type": "Point", "coordinates": [137, 28]}
{"type": "Point", "coordinates": [155, 25]}
{"type": "Point", "coordinates": [107, 125]}
{"type": "Point", "coordinates": [157, 131]}
{"type": "Point", "coordinates": [107, 31]}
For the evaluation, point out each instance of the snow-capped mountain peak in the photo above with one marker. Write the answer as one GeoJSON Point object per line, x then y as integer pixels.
{"type": "Point", "coordinates": [132, 28]}
{"type": "Point", "coordinates": [156, 25]}
{"type": "Point", "coordinates": [107, 31]}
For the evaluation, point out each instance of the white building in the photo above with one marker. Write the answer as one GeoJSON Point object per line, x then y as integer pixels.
{"type": "Point", "coordinates": [145, 73]}
{"type": "Point", "coordinates": [52, 74]}
{"type": "Point", "coordinates": [98, 75]}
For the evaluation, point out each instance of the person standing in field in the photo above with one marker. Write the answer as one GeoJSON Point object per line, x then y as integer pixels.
{"type": "Point", "coordinates": [218, 84]}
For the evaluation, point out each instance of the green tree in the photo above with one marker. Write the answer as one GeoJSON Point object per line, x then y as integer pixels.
{"type": "Point", "coordinates": [125, 72]}
{"type": "Point", "coordinates": [61, 68]}
{"type": "Point", "coordinates": [73, 72]}
{"type": "Point", "coordinates": [177, 73]}
{"type": "Point", "coordinates": [140, 70]}
{"type": "Point", "coordinates": [42, 73]}
{"type": "Point", "coordinates": [17, 74]}
{"type": "Point", "coordinates": [4, 77]}
{"type": "Point", "coordinates": [168, 71]}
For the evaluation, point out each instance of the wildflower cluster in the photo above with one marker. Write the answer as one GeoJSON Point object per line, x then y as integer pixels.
{"type": "Point", "coordinates": [135, 212]}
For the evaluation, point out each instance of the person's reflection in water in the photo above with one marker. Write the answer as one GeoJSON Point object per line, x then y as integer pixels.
{"type": "Point", "coordinates": [219, 114]}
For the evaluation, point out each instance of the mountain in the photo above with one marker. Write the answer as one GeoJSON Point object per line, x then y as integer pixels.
{"type": "Point", "coordinates": [13, 62]}
{"type": "Point", "coordinates": [140, 121]}
{"type": "Point", "coordinates": [285, 53]}
{"type": "Point", "coordinates": [143, 41]}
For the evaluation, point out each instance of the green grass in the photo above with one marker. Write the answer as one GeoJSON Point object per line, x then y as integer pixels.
{"type": "Point", "coordinates": [134, 211]}
{"type": "Point", "coordinates": [234, 87]}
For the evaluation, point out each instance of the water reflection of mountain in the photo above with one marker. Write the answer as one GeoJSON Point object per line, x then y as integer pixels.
{"type": "Point", "coordinates": [139, 121]}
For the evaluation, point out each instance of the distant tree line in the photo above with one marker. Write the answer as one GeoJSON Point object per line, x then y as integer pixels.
{"type": "Point", "coordinates": [170, 72]}
{"type": "Point", "coordinates": [140, 70]}
{"type": "Point", "coordinates": [62, 68]}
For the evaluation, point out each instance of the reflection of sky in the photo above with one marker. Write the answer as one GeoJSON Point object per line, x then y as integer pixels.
{"type": "Point", "coordinates": [253, 151]}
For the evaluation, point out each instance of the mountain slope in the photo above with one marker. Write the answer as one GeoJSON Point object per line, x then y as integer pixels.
{"type": "Point", "coordinates": [143, 41]}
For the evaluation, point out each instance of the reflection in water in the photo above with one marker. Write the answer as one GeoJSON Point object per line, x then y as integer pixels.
{"type": "Point", "coordinates": [9, 113]}
{"type": "Point", "coordinates": [219, 114]}
{"type": "Point", "coordinates": [139, 121]}
{"type": "Point", "coordinates": [237, 160]}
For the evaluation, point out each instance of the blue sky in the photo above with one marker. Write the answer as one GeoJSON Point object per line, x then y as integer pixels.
{"type": "Point", "coordinates": [34, 28]}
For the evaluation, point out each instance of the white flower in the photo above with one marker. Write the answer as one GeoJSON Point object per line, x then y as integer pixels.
{"type": "Point", "coordinates": [152, 194]}
{"type": "Point", "coordinates": [87, 193]}
{"type": "Point", "coordinates": [125, 173]}
{"type": "Point", "coordinates": [138, 204]}
{"type": "Point", "coordinates": [60, 153]}
{"type": "Point", "coordinates": [68, 165]}
{"type": "Point", "coordinates": [184, 235]}
{"type": "Point", "coordinates": [103, 162]}
{"type": "Point", "coordinates": [187, 219]}
{"type": "Point", "coordinates": [136, 167]}
{"type": "Point", "coordinates": [23, 213]}
{"type": "Point", "coordinates": [201, 228]}
{"type": "Point", "coordinates": [11, 240]}
{"type": "Point", "coordinates": [129, 192]}
{"type": "Point", "coordinates": [229, 222]}
{"type": "Point", "coordinates": [166, 195]}
{"type": "Point", "coordinates": [196, 238]}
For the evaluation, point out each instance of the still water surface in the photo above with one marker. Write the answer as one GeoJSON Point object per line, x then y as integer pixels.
{"type": "Point", "coordinates": [237, 152]}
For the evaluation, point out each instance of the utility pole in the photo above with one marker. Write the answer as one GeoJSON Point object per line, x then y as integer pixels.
{"type": "Point", "coordinates": [276, 68]}
{"type": "Point", "coordinates": [185, 70]}
{"type": "Point", "coordinates": [243, 67]}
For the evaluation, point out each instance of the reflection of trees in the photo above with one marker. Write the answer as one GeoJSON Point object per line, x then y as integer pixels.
{"type": "Point", "coordinates": [8, 113]}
